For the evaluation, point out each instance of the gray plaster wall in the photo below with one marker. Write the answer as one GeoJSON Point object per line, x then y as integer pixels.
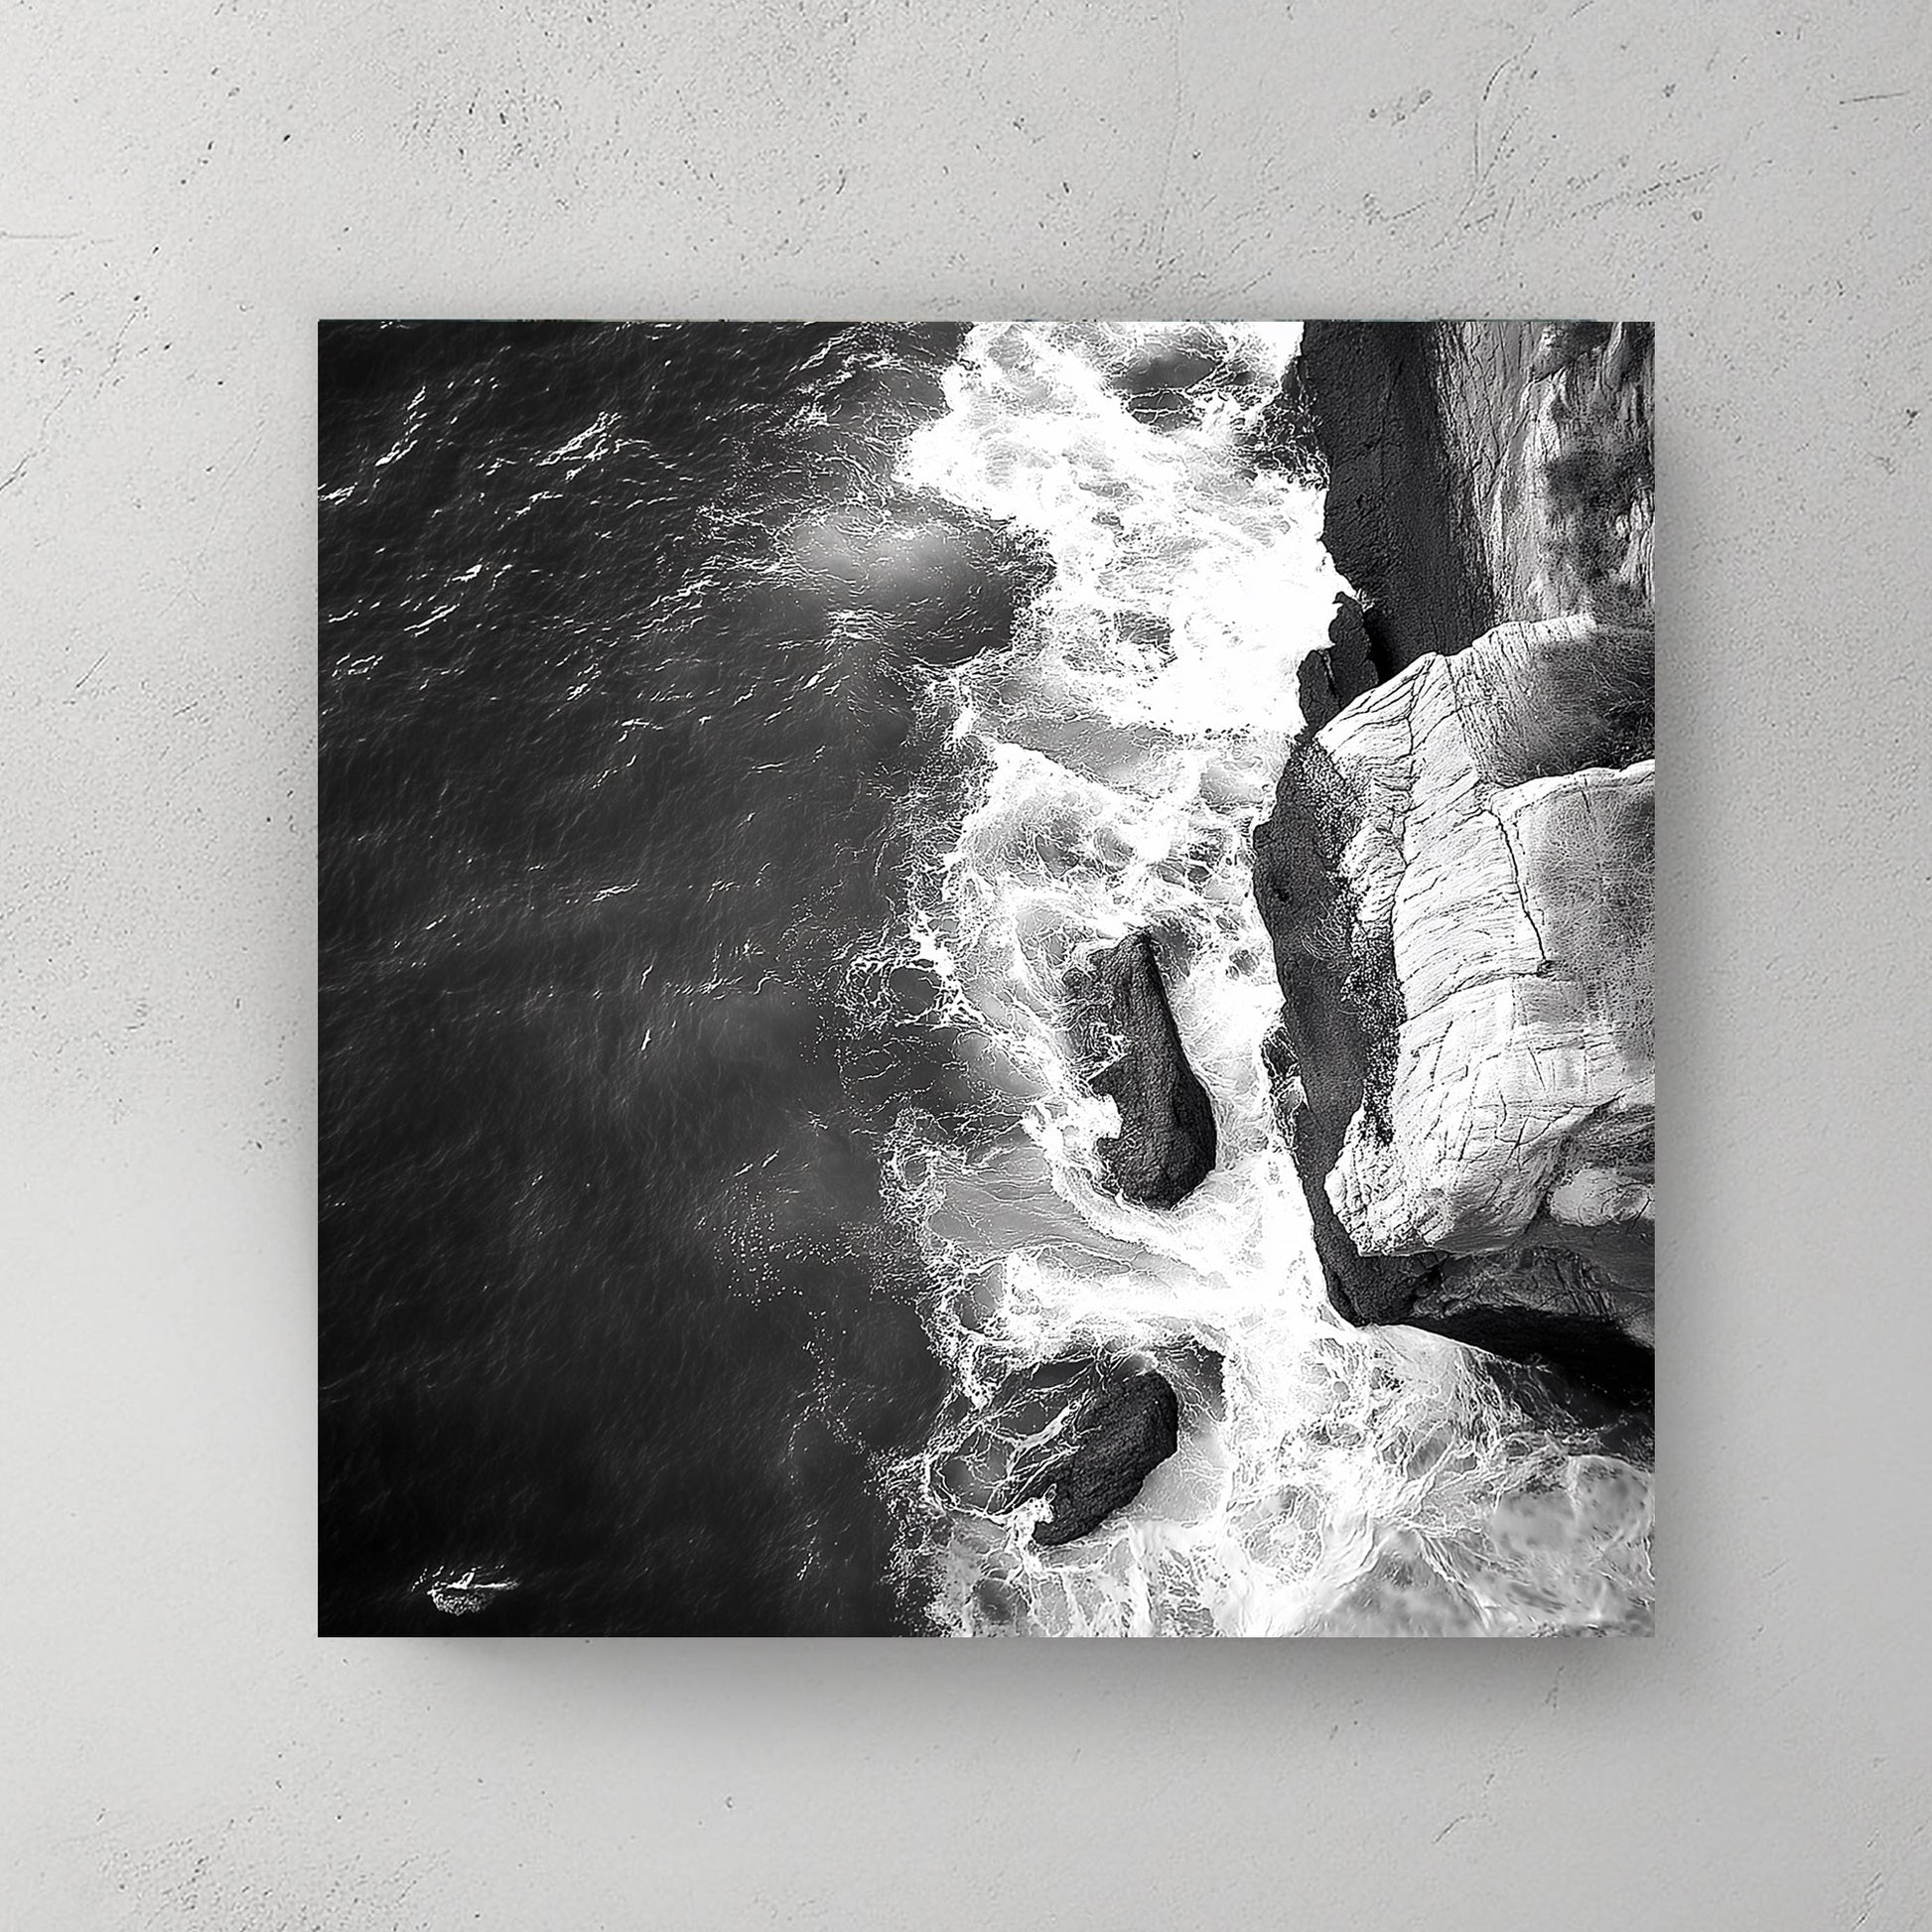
{"type": "Point", "coordinates": [185, 189]}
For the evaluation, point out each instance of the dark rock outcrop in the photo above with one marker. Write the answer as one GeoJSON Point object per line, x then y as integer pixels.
{"type": "Point", "coordinates": [1087, 1427]}
{"type": "Point", "coordinates": [1456, 882]}
{"type": "Point", "coordinates": [1124, 1030]}
{"type": "Point", "coordinates": [1117, 1438]}
{"type": "Point", "coordinates": [1352, 662]}
{"type": "Point", "coordinates": [1394, 523]}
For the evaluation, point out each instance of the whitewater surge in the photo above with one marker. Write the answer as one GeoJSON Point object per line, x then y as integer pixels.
{"type": "Point", "coordinates": [1119, 755]}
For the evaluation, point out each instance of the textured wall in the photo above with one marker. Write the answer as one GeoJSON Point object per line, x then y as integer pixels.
{"type": "Point", "coordinates": [186, 189]}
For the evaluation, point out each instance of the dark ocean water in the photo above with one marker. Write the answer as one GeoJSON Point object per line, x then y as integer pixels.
{"type": "Point", "coordinates": [625, 671]}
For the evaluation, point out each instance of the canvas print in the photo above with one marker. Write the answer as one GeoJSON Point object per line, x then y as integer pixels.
{"type": "Point", "coordinates": [986, 980]}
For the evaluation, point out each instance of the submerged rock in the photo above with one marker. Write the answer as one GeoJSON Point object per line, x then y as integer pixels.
{"type": "Point", "coordinates": [1119, 1436]}
{"type": "Point", "coordinates": [1458, 882]}
{"type": "Point", "coordinates": [1124, 1028]}
{"type": "Point", "coordinates": [1158, 389]}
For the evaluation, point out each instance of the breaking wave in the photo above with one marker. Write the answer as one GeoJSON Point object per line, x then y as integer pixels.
{"type": "Point", "coordinates": [1117, 756]}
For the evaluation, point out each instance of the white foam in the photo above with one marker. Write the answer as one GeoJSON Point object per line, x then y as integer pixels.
{"type": "Point", "coordinates": [1127, 742]}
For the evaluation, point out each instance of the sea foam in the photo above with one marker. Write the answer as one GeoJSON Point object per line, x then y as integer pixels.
{"type": "Point", "coordinates": [1121, 751]}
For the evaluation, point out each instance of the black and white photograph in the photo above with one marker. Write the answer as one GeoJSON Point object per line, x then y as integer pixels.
{"type": "Point", "coordinates": [986, 980]}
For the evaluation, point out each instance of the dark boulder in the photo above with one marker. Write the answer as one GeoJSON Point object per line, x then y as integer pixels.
{"type": "Point", "coordinates": [1049, 1421]}
{"type": "Point", "coordinates": [1333, 675]}
{"type": "Point", "coordinates": [1117, 1437]}
{"type": "Point", "coordinates": [1124, 1030]}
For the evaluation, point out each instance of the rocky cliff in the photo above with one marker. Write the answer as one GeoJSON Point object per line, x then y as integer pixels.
{"type": "Point", "coordinates": [1456, 879]}
{"type": "Point", "coordinates": [1396, 522]}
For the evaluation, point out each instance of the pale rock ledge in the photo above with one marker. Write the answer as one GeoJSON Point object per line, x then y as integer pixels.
{"type": "Point", "coordinates": [1458, 881]}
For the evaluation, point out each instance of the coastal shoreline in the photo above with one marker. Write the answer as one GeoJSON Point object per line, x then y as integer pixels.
{"type": "Point", "coordinates": [1478, 475]}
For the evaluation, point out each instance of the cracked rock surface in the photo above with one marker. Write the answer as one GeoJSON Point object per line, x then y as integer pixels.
{"type": "Point", "coordinates": [1458, 882]}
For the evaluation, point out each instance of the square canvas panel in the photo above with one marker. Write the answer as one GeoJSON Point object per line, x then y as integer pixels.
{"type": "Point", "coordinates": [986, 980]}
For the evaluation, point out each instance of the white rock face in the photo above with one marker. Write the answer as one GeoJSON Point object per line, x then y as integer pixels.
{"type": "Point", "coordinates": [1518, 912]}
